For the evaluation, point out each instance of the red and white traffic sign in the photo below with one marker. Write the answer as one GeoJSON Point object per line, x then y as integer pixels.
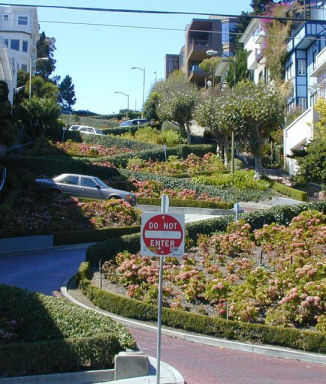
{"type": "Point", "coordinates": [162, 234]}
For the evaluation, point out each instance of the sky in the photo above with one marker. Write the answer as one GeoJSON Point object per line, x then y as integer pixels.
{"type": "Point", "coordinates": [99, 58]}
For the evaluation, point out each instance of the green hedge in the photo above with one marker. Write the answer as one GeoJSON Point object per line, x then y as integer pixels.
{"type": "Point", "coordinates": [217, 327]}
{"type": "Point", "coordinates": [157, 153]}
{"type": "Point", "coordinates": [288, 191]}
{"type": "Point", "coordinates": [17, 165]}
{"type": "Point", "coordinates": [117, 131]}
{"type": "Point", "coordinates": [57, 335]}
{"type": "Point", "coordinates": [88, 236]}
{"type": "Point", "coordinates": [109, 141]}
{"type": "Point", "coordinates": [187, 203]}
{"type": "Point", "coordinates": [66, 355]}
{"type": "Point", "coordinates": [106, 250]}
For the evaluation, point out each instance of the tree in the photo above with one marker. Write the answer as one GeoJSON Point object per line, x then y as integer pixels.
{"type": "Point", "coordinates": [6, 126]}
{"type": "Point", "coordinates": [66, 95]}
{"type": "Point", "coordinates": [42, 88]}
{"type": "Point", "coordinates": [218, 111]}
{"type": "Point", "coordinates": [238, 68]}
{"type": "Point", "coordinates": [320, 124]}
{"type": "Point", "coordinates": [261, 108]}
{"type": "Point", "coordinates": [260, 6]}
{"type": "Point", "coordinates": [209, 65]}
{"type": "Point", "coordinates": [38, 115]}
{"type": "Point", "coordinates": [177, 100]}
{"type": "Point", "coordinates": [312, 163]}
{"type": "Point", "coordinates": [45, 48]}
{"type": "Point", "coordinates": [150, 108]}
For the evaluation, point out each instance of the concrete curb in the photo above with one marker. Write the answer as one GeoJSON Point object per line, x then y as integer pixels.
{"type": "Point", "coordinates": [267, 350]}
{"type": "Point", "coordinates": [169, 375]}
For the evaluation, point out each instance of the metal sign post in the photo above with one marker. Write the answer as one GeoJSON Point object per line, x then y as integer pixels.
{"type": "Point", "coordinates": [164, 209]}
{"type": "Point", "coordinates": [162, 235]}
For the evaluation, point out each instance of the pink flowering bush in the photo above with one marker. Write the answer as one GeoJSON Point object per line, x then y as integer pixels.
{"type": "Point", "coordinates": [154, 189]}
{"type": "Point", "coordinates": [72, 148]}
{"type": "Point", "coordinates": [42, 214]}
{"type": "Point", "coordinates": [274, 275]}
{"type": "Point", "coordinates": [174, 166]}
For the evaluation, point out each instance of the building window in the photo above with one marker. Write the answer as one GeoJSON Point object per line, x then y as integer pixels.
{"type": "Point", "coordinates": [261, 76]}
{"type": "Point", "coordinates": [302, 67]}
{"type": "Point", "coordinates": [14, 44]}
{"type": "Point", "coordinates": [22, 20]}
{"type": "Point", "coordinates": [13, 65]}
{"type": "Point", "coordinates": [25, 46]}
{"type": "Point", "coordinates": [6, 41]}
{"type": "Point", "coordinates": [302, 103]}
{"type": "Point", "coordinates": [5, 17]}
{"type": "Point", "coordinates": [24, 67]}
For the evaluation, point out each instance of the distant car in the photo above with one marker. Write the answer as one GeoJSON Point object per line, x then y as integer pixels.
{"type": "Point", "coordinates": [73, 127]}
{"type": "Point", "coordinates": [130, 123]}
{"type": "Point", "coordinates": [83, 186]}
{"type": "Point", "coordinates": [90, 130]}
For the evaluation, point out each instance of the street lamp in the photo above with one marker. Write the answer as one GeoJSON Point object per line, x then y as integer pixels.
{"type": "Point", "coordinates": [125, 94]}
{"type": "Point", "coordinates": [155, 73]}
{"type": "Point", "coordinates": [143, 70]}
{"type": "Point", "coordinates": [30, 74]}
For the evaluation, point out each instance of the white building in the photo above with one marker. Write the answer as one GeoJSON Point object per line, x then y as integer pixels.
{"type": "Point", "coordinates": [19, 32]}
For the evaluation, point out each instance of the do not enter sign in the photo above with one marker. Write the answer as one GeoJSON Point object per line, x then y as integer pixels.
{"type": "Point", "coordinates": [162, 234]}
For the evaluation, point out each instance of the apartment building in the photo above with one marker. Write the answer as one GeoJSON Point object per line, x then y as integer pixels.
{"type": "Point", "coordinates": [306, 70]}
{"type": "Point", "coordinates": [202, 36]}
{"type": "Point", "coordinates": [19, 32]}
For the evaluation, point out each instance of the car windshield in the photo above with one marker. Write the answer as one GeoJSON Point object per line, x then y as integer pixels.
{"type": "Point", "coordinates": [100, 183]}
{"type": "Point", "coordinates": [99, 131]}
{"type": "Point", "coordinates": [126, 123]}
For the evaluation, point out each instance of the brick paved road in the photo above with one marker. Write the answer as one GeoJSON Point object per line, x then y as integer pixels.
{"type": "Point", "coordinates": [44, 271]}
{"type": "Point", "coordinates": [202, 364]}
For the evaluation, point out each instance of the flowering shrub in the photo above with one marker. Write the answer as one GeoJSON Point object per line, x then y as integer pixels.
{"type": "Point", "coordinates": [151, 188]}
{"type": "Point", "coordinates": [42, 214]}
{"type": "Point", "coordinates": [174, 166]}
{"type": "Point", "coordinates": [274, 275]}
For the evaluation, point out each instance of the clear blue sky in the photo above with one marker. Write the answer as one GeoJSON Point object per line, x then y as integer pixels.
{"type": "Point", "coordinates": [99, 58]}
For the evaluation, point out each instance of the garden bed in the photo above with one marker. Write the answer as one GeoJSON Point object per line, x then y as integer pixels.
{"type": "Point", "coordinates": [37, 213]}
{"type": "Point", "coordinates": [41, 334]}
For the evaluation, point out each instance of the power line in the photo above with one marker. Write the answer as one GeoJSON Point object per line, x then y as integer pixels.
{"type": "Point", "coordinates": [152, 12]}
{"type": "Point", "coordinates": [164, 29]}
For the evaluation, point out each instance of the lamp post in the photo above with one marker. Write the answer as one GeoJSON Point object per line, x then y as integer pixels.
{"type": "Point", "coordinates": [155, 73]}
{"type": "Point", "coordinates": [143, 70]}
{"type": "Point", "coordinates": [30, 74]}
{"type": "Point", "coordinates": [125, 94]}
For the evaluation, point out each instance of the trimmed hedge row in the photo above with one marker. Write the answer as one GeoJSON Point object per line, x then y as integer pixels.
{"type": "Point", "coordinates": [106, 250]}
{"type": "Point", "coordinates": [212, 326]}
{"type": "Point", "coordinates": [288, 191]}
{"type": "Point", "coordinates": [187, 203]}
{"type": "Point", "coordinates": [54, 166]}
{"type": "Point", "coordinates": [110, 141]}
{"type": "Point", "coordinates": [58, 336]}
{"type": "Point", "coordinates": [67, 355]}
{"type": "Point", "coordinates": [88, 236]}
{"type": "Point", "coordinates": [117, 131]}
{"type": "Point", "coordinates": [157, 153]}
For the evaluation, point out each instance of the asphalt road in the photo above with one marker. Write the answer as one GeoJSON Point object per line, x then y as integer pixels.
{"type": "Point", "coordinates": [45, 271]}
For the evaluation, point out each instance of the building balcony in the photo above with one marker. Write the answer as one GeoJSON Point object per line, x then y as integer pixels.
{"type": "Point", "coordinates": [197, 75]}
{"type": "Point", "coordinates": [197, 50]}
{"type": "Point", "coordinates": [320, 68]}
{"type": "Point", "coordinates": [304, 35]}
{"type": "Point", "coordinates": [252, 63]}
{"type": "Point", "coordinates": [259, 36]}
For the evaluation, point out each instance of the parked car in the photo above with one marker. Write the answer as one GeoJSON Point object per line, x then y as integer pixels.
{"type": "Point", "coordinates": [90, 130]}
{"type": "Point", "coordinates": [83, 186]}
{"type": "Point", "coordinates": [129, 123]}
{"type": "Point", "coordinates": [74, 127]}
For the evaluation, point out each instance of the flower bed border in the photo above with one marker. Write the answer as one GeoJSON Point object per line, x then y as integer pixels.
{"type": "Point", "coordinates": [256, 333]}
{"type": "Point", "coordinates": [186, 203]}
{"type": "Point", "coordinates": [313, 341]}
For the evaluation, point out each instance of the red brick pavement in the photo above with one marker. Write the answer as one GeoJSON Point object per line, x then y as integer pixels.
{"type": "Point", "coordinates": [201, 364]}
